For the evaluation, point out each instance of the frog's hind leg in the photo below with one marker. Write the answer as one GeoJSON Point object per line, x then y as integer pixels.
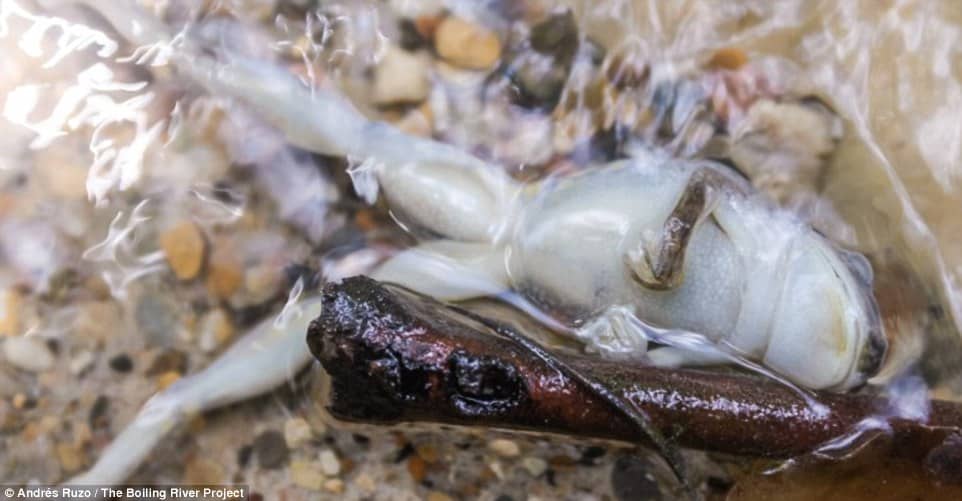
{"type": "Point", "coordinates": [448, 270]}
{"type": "Point", "coordinates": [658, 263]}
{"type": "Point", "coordinates": [263, 359]}
{"type": "Point", "coordinates": [435, 185]}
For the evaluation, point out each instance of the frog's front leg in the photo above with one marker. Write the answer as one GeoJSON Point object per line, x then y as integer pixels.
{"type": "Point", "coordinates": [448, 270]}
{"type": "Point", "coordinates": [658, 263]}
{"type": "Point", "coordinates": [615, 332]}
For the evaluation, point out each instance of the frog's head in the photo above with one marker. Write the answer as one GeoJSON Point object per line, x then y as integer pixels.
{"type": "Point", "coordinates": [826, 332]}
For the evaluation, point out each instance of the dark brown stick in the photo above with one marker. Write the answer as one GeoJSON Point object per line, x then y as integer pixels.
{"type": "Point", "coordinates": [395, 356]}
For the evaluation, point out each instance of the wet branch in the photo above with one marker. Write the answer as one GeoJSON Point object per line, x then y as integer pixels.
{"type": "Point", "coordinates": [395, 356]}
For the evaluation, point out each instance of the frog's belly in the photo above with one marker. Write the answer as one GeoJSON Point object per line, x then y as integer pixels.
{"type": "Point", "coordinates": [575, 261]}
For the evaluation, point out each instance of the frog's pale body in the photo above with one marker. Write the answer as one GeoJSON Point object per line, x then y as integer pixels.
{"type": "Point", "coordinates": [768, 287]}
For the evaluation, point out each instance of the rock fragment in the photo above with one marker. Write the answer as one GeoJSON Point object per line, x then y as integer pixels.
{"type": "Point", "coordinates": [535, 466]}
{"type": "Point", "coordinates": [467, 45]}
{"type": "Point", "coordinates": [216, 330]}
{"type": "Point", "coordinates": [330, 464]}
{"type": "Point", "coordinates": [29, 353]}
{"type": "Point", "coordinates": [184, 247]}
{"type": "Point", "coordinates": [504, 448]}
{"type": "Point", "coordinates": [271, 450]}
{"type": "Point", "coordinates": [306, 474]}
{"type": "Point", "coordinates": [401, 77]}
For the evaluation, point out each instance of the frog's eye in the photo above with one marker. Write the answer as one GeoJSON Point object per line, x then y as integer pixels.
{"type": "Point", "coordinates": [859, 266]}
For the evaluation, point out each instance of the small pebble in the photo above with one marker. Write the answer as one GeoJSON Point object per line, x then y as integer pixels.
{"type": "Point", "coordinates": [630, 479]}
{"type": "Point", "coordinates": [19, 401]}
{"type": "Point", "coordinates": [121, 363]}
{"type": "Point", "coordinates": [224, 272]}
{"type": "Point", "coordinates": [401, 77]}
{"type": "Point", "coordinates": [728, 58]}
{"type": "Point", "coordinates": [166, 379]}
{"type": "Point", "coordinates": [216, 330]}
{"type": "Point", "coordinates": [10, 303]}
{"type": "Point", "coordinates": [428, 453]}
{"type": "Point", "coordinates": [417, 122]}
{"type": "Point", "coordinates": [365, 483]}
{"type": "Point", "coordinates": [184, 247]}
{"type": "Point", "coordinates": [466, 44]}
{"type": "Point", "coordinates": [157, 318]}
{"type": "Point", "coordinates": [29, 353]}
{"type": "Point", "coordinates": [496, 468]}
{"type": "Point", "coordinates": [540, 75]}
{"type": "Point", "coordinates": [81, 362]}
{"type": "Point", "coordinates": [334, 485]}
{"type": "Point", "coordinates": [330, 464]}
{"type": "Point", "coordinates": [49, 423]}
{"type": "Point", "coordinates": [306, 474]}
{"type": "Point", "coordinates": [203, 471]}
{"type": "Point", "coordinates": [427, 26]}
{"type": "Point", "coordinates": [296, 432]}
{"type": "Point", "coordinates": [88, 327]}
{"type": "Point", "coordinates": [534, 465]}
{"type": "Point", "coordinates": [271, 450]}
{"type": "Point", "coordinates": [504, 448]}
{"type": "Point", "coordinates": [439, 496]}
{"type": "Point", "coordinates": [168, 361]}
{"type": "Point", "coordinates": [261, 282]}
{"type": "Point", "coordinates": [417, 468]}
{"type": "Point", "coordinates": [407, 8]}
{"type": "Point", "coordinates": [71, 457]}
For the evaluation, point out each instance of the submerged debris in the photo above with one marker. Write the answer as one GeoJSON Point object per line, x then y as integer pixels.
{"type": "Point", "coordinates": [396, 356]}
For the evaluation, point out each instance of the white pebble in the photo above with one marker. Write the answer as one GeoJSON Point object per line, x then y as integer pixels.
{"type": "Point", "coordinates": [296, 432]}
{"type": "Point", "coordinates": [215, 330]}
{"type": "Point", "coordinates": [330, 465]}
{"type": "Point", "coordinates": [416, 8]}
{"type": "Point", "coordinates": [29, 353]}
{"type": "Point", "coordinates": [534, 466]}
{"type": "Point", "coordinates": [504, 448]}
{"type": "Point", "coordinates": [81, 362]}
{"type": "Point", "coordinates": [401, 77]}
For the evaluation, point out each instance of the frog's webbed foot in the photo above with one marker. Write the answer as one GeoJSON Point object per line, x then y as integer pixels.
{"type": "Point", "coordinates": [447, 270]}
{"type": "Point", "coordinates": [658, 263]}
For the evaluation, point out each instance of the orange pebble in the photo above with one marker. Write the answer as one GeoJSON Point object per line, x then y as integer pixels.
{"type": "Point", "coordinates": [728, 58]}
{"type": "Point", "coordinates": [166, 379]}
{"type": "Point", "coordinates": [417, 468]}
{"type": "Point", "coordinates": [427, 25]}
